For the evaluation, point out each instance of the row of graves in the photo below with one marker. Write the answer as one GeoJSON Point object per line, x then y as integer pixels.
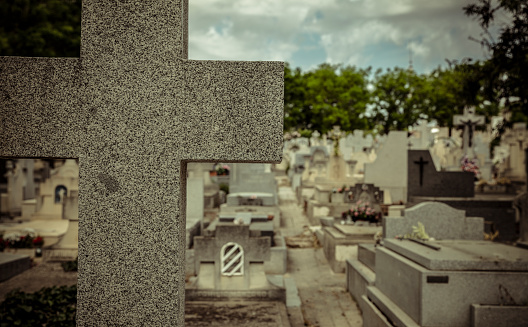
{"type": "Point", "coordinates": [408, 170]}
{"type": "Point", "coordinates": [240, 253]}
{"type": "Point", "coordinates": [39, 206]}
{"type": "Point", "coordinates": [432, 267]}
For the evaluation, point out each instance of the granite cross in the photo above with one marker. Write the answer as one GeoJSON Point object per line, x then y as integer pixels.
{"type": "Point", "coordinates": [469, 120]}
{"type": "Point", "coordinates": [421, 163]}
{"type": "Point", "coordinates": [134, 111]}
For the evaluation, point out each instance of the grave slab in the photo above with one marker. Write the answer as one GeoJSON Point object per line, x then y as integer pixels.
{"type": "Point", "coordinates": [462, 255]}
{"type": "Point", "coordinates": [417, 290]}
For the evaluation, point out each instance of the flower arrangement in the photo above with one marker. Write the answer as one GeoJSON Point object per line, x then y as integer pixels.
{"type": "Point", "coordinates": [361, 211]}
{"type": "Point", "coordinates": [27, 240]}
{"type": "Point", "coordinates": [222, 170]}
{"type": "Point", "coordinates": [470, 165]}
{"type": "Point", "coordinates": [342, 189]}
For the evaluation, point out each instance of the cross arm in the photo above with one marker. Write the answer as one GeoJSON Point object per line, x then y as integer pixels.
{"type": "Point", "coordinates": [234, 110]}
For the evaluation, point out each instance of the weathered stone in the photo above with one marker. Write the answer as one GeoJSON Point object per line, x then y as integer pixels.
{"type": "Point", "coordinates": [135, 111]}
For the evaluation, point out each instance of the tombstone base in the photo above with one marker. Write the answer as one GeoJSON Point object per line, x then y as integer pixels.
{"type": "Point", "coordinates": [230, 288]}
{"type": "Point", "coordinates": [12, 265]}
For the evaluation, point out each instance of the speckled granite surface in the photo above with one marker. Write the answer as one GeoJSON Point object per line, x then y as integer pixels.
{"type": "Point", "coordinates": [134, 111]}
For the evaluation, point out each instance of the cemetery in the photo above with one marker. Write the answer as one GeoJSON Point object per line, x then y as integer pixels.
{"type": "Point", "coordinates": [182, 193]}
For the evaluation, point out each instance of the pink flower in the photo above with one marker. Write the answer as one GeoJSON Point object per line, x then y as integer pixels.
{"type": "Point", "coordinates": [356, 213]}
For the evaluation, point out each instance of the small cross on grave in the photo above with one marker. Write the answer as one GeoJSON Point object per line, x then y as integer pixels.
{"type": "Point", "coordinates": [232, 250]}
{"type": "Point", "coordinates": [422, 162]}
{"type": "Point", "coordinates": [134, 111]}
{"type": "Point", "coordinates": [469, 120]}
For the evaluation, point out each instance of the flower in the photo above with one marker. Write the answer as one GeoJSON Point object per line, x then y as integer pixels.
{"type": "Point", "coordinates": [362, 211]}
{"type": "Point", "coordinates": [470, 165]}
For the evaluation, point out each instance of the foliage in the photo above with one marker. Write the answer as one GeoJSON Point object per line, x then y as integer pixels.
{"type": "Point", "coordinates": [70, 265]}
{"type": "Point", "coordinates": [505, 74]}
{"type": "Point", "coordinates": [222, 170]}
{"type": "Point", "coordinates": [327, 96]}
{"type": "Point", "coordinates": [400, 99]}
{"type": "Point", "coordinates": [54, 306]}
{"type": "Point", "coordinates": [40, 28]}
{"type": "Point", "coordinates": [224, 187]}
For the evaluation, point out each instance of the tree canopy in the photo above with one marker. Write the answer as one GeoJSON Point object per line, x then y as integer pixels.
{"type": "Point", "coordinates": [40, 28]}
{"type": "Point", "coordinates": [504, 77]}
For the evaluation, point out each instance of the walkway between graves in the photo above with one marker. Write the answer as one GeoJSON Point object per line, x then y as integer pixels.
{"type": "Point", "coordinates": [324, 299]}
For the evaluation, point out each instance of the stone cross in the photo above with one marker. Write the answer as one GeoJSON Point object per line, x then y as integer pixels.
{"type": "Point", "coordinates": [421, 163]}
{"type": "Point", "coordinates": [134, 111]}
{"type": "Point", "coordinates": [469, 120]}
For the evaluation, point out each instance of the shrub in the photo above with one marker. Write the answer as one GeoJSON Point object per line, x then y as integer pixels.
{"type": "Point", "coordinates": [51, 306]}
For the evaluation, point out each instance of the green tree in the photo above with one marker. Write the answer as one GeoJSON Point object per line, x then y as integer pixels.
{"type": "Point", "coordinates": [505, 74]}
{"type": "Point", "coordinates": [400, 98]}
{"type": "Point", "coordinates": [454, 88]}
{"type": "Point", "coordinates": [296, 113]}
{"type": "Point", "coordinates": [40, 28]}
{"type": "Point", "coordinates": [336, 95]}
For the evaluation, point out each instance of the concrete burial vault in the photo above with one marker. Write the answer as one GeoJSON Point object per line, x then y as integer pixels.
{"type": "Point", "coordinates": [134, 111]}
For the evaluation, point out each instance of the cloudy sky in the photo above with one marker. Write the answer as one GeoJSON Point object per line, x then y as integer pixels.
{"type": "Point", "coordinates": [306, 33]}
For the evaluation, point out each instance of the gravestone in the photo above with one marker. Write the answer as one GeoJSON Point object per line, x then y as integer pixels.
{"type": "Point", "coordinates": [67, 247]}
{"type": "Point", "coordinates": [389, 170]}
{"type": "Point", "coordinates": [425, 180]}
{"type": "Point", "coordinates": [134, 111]}
{"type": "Point", "coordinates": [469, 121]}
{"type": "Point", "coordinates": [230, 264]}
{"type": "Point", "coordinates": [194, 209]}
{"type": "Point", "coordinates": [252, 178]}
{"type": "Point", "coordinates": [441, 222]}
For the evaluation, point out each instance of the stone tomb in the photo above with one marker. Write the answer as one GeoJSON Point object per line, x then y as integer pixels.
{"type": "Point", "coordinates": [425, 180]}
{"type": "Point", "coordinates": [468, 276]}
{"type": "Point", "coordinates": [230, 264]}
{"type": "Point", "coordinates": [443, 283]}
{"type": "Point", "coordinates": [337, 200]}
{"type": "Point", "coordinates": [135, 111]}
{"type": "Point", "coordinates": [340, 243]}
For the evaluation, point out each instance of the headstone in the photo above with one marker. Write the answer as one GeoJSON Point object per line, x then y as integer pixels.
{"type": "Point", "coordinates": [389, 170]}
{"type": "Point", "coordinates": [62, 182]}
{"type": "Point", "coordinates": [194, 209]}
{"type": "Point", "coordinates": [441, 222]}
{"type": "Point", "coordinates": [469, 121]}
{"type": "Point", "coordinates": [230, 254]}
{"type": "Point", "coordinates": [210, 190]}
{"type": "Point", "coordinates": [516, 140]}
{"type": "Point", "coordinates": [425, 180]}
{"type": "Point", "coordinates": [421, 137]}
{"type": "Point", "coordinates": [252, 178]}
{"type": "Point", "coordinates": [68, 246]}
{"type": "Point", "coordinates": [134, 111]}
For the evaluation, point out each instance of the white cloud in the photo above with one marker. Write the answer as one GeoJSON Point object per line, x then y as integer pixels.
{"type": "Point", "coordinates": [348, 30]}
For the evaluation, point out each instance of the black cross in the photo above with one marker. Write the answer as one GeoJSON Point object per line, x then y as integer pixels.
{"type": "Point", "coordinates": [421, 163]}
{"type": "Point", "coordinates": [470, 124]}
